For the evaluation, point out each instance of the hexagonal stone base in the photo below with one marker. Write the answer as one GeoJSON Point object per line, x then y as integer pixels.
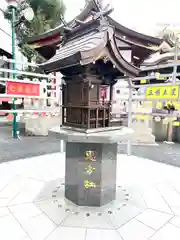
{"type": "Point", "coordinates": [90, 178]}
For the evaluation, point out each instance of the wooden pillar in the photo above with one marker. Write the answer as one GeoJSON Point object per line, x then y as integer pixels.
{"type": "Point", "coordinates": [110, 102]}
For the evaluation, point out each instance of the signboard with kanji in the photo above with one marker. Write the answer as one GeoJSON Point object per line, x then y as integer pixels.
{"type": "Point", "coordinates": [21, 88]}
{"type": "Point", "coordinates": [162, 92]}
{"type": "Point", "coordinates": [90, 156]}
{"type": "Point", "coordinates": [103, 91]}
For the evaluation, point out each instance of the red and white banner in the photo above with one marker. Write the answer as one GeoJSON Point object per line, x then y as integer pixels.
{"type": "Point", "coordinates": [24, 89]}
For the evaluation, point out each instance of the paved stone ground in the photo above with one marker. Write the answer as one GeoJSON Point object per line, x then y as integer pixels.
{"type": "Point", "coordinates": [32, 204]}
{"type": "Point", "coordinates": [33, 146]}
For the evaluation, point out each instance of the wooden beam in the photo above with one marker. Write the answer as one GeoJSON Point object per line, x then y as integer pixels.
{"type": "Point", "coordinates": [79, 21]}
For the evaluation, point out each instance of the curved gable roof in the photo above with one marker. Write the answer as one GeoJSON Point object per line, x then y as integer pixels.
{"type": "Point", "coordinates": [91, 6]}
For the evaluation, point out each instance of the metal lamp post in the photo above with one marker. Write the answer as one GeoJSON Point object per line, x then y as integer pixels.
{"type": "Point", "coordinates": [13, 5]}
{"type": "Point", "coordinates": [28, 15]}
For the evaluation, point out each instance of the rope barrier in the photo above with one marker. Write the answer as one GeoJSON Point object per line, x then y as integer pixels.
{"type": "Point", "coordinates": [30, 82]}
{"type": "Point", "coordinates": [28, 111]}
{"type": "Point", "coordinates": [37, 75]}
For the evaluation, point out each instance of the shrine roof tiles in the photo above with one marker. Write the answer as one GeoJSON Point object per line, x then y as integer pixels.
{"type": "Point", "coordinates": [160, 58]}
{"type": "Point", "coordinates": [76, 51]}
{"type": "Point", "coordinates": [86, 49]}
{"type": "Point", "coordinates": [132, 33]}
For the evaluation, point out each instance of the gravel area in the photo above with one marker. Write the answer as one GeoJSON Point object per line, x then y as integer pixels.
{"type": "Point", "coordinates": [27, 146]}
{"type": "Point", "coordinates": [169, 154]}
{"type": "Point", "coordinates": [11, 149]}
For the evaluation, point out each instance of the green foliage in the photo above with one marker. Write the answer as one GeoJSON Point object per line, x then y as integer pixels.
{"type": "Point", "coordinates": [51, 10]}
{"type": "Point", "coordinates": [7, 13]}
{"type": "Point", "coordinates": [170, 107]}
{"type": "Point", "coordinates": [47, 15]}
